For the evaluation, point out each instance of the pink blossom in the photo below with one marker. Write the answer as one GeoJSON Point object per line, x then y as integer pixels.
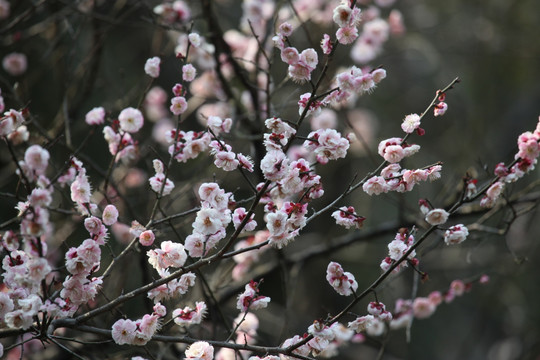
{"type": "Point", "coordinates": [188, 316]}
{"type": "Point", "coordinates": [250, 300]}
{"type": "Point", "coordinates": [458, 287]}
{"type": "Point", "coordinates": [303, 350]}
{"type": "Point", "coordinates": [456, 234]}
{"type": "Point", "coordinates": [410, 123]}
{"type": "Point", "coordinates": [178, 105]}
{"type": "Point", "coordinates": [375, 185]}
{"type": "Point", "coordinates": [347, 217]}
{"type": "Point", "coordinates": [378, 75]}
{"type": "Point", "coordinates": [343, 282]}
{"type": "Point", "coordinates": [110, 215]}
{"type": "Point", "coordinates": [347, 35]}
{"type": "Point", "coordinates": [194, 39]}
{"type": "Point", "coordinates": [245, 162]}
{"type": "Point", "coordinates": [423, 308]}
{"type": "Point", "coordinates": [440, 109]}
{"type": "Point", "coordinates": [19, 319]}
{"type": "Point", "coordinates": [147, 238]}
{"type": "Point", "coordinates": [200, 350]}
{"type": "Point", "coordinates": [6, 304]}
{"type": "Point", "coordinates": [15, 64]}
{"type": "Point", "coordinates": [290, 56]}
{"type": "Point", "coordinates": [151, 67]}
{"type": "Point", "coordinates": [377, 327]}
{"type": "Point", "coordinates": [299, 72]}
{"type": "Point", "coordinates": [342, 15]}
{"type": "Point", "coordinates": [435, 297]}
{"type": "Point", "coordinates": [37, 159]}
{"type": "Point", "coordinates": [208, 221]}
{"type": "Point", "coordinates": [96, 116]}
{"type": "Point", "coordinates": [361, 323]}
{"type": "Point", "coordinates": [326, 44]}
{"type": "Point", "coordinates": [309, 58]}
{"type": "Point", "coordinates": [80, 189]}
{"type": "Point", "coordinates": [239, 215]}
{"type": "Point", "coordinates": [285, 29]}
{"type": "Point", "coordinates": [437, 217]}
{"type": "Point", "coordinates": [123, 331]}
{"type": "Point", "coordinates": [188, 72]}
{"type": "Point", "coordinates": [226, 160]}
{"type": "Point", "coordinates": [274, 165]}
{"type": "Point", "coordinates": [131, 120]}
{"type": "Point", "coordinates": [376, 308]}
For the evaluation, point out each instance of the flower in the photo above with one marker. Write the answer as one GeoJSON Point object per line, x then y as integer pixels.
{"type": "Point", "coordinates": [178, 105]}
{"type": "Point", "coordinates": [123, 331]}
{"type": "Point", "coordinates": [131, 120]}
{"type": "Point", "coordinates": [423, 307]}
{"type": "Point", "coordinates": [188, 72]}
{"type": "Point", "coordinates": [437, 217]}
{"type": "Point", "coordinates": [200, 350]}
{"type": "Point", "coordinates": [146, 238]}
{"type": "Point", "coordinates": [15, 64]}
{"type": "Point", "coordinates": [110, 215]}
{"type": "Point", "coordinates": [96, 116]}
{"type": "Point", "coordinates": [343, 282]}
{"type": "Point", "coordinates": [410, 123]}
{"type": "Point", "coordinates": [456, 234]}
{"type": "Point", "coordinates": [151, 67]}
{"type": "Point", "coordinates": [250, 300]}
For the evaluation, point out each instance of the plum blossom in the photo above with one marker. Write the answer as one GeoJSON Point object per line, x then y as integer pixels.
{"type": "Point", "coordinates": [178, 105]}
{"type": "Point", "coordinates": [96, 116]}
{"type": "Point", "coordinates": [456, 234]}
{"type": "Point", "coordinates": [110, 215]}
{"type": "Point", "coordinates": [123, 331]}
{"type": "Point", "coordinates": [15, 63]}
{"type": "Point", "coordinates": [423, 308]}
{"type": "Point", "coordinates": [327, 144]}
{"type": "Point", "coordinates": [131, 120]}
{"type": "Point", "coordinates": [250, 300]}
{"type": "Point", "coordinates": [437, 217]}
{"type": "Point", "coordinates": [188, 72]}
{"type": "Point", "coordinates": [410, 123]}
{"type": "Point", "coordinates": [200, 350]}
{"type": "Point", "coordinates": [239, 215]}
{"type": "Point", "coordinates": [375, 185]}
{"type": "Point", "coordinates": [343, 282]}
{"type": "Point", "coordinates": [347, 217]}
{"type": "Point", "coordinates": [156, 181]}
{"type": "Point", "coordinates": [151, 67]}
{"type": "Point", "coordinates": [170, 254]}
{"type": "Point", "coordinates": [146, 238]}
{"type": "Point", "coordinates": [188, 316]}
{"type": "Point", "coordinates": [194, 39]}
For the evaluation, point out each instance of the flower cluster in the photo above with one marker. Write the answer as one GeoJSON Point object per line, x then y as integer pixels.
{"type": "Point", "coordinates": [347, 217]}
{"type": "Point", "coordinates": [211, 220]}
{"type": "Point", "coordinates": [250, 300]}
{"type": "Point", "coordinates": [301, 64]}
{"type": "Point", "coordinates": [189, 316]}
{"type": "Point", "coordinates": [394, 178]}
{"type": "Point", "coordinates": [525, 161]}
{"type": "Point", "coordinates": [159, 183]}
{"type": "Point", "coordinates": [397, 249]}
{"type": "Point", "coordinates": [327, 144]}
{"type": "Point", "coordinates": [138, 332]}
{"type": "Point", "coordinates": [285, 224]}
{"type": "Point", "coordinates": [343, 282]}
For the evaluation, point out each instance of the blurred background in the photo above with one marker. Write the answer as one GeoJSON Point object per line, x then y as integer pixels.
{"type": "Point", "coordinates": [92, 53]}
